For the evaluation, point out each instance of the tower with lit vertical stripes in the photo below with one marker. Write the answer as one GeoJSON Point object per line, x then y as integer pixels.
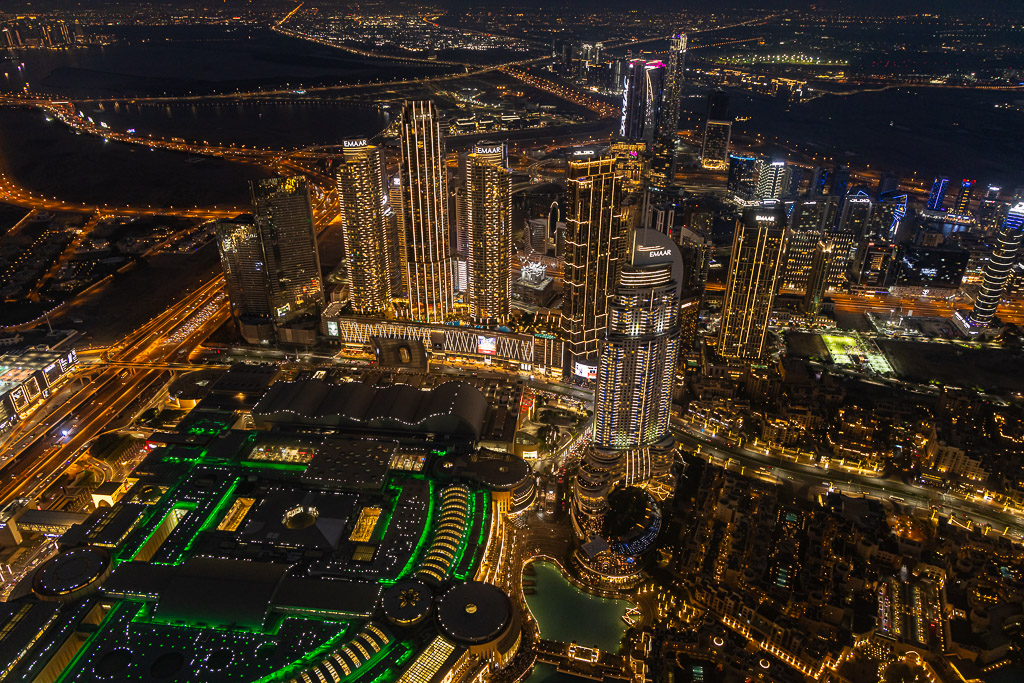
{"type": "Point", "coordinates": [425, 243]}
{"type": "Point", "coordinates": [365, 209]}
{"type": "Point", "coordinates": [489, 222]}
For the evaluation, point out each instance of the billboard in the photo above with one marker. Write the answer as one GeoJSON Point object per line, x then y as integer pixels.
{"type": "Point", "coordinates": [486, 345]}
{"type": "Point", "coordinates": [585, 371]}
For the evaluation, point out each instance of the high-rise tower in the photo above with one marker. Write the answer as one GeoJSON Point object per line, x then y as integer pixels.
{"type": "Point", "coordinates": [642, 99]}
{"type": "Point", "coordinates": [638, 354]}
{"type": "Point", "coordinates": [595, 245]}
{"type": "Point", "coordinates": [938, 194]}
{"type": "Point", "coordinates": [997, 270]}
{"type": "Point", "coordinates": [754, 271]}
{"type": "Point", "coordinates": [284, 218]}
{"type": "Point", "coordinates": [675, 75]}
{"type": "Point", "coordinates": [714, 152]}
{"type": "Point", "coordinates": [962, 205]}
{"type": "Point", "coordinates": [817, 282]}
{"type": "Point", "coordinates": [425, 244]}
{"type": "Point", "coordinates": [365, 211]}
{"type": "Point", "coordinates": [489, 229]}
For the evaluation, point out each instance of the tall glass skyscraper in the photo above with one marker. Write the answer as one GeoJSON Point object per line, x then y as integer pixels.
{"type": "Point", "coordinates": [270, 260]}
{"type": "Point", "coordinates": [714, 151]}
{"type": "Point", "coordinates": [642, 99]}
{"type": "Point", "coordinates": [284, 218]}
{"type": "Point", "coordinates": [365, 210]}
{"type": "Point", "coordinates": [424, 242]}
{"type": "Point", "coordinates": [638, 355]}
{"type": "Point", "coordinates": [675, 75]}
{"type": "Point", "coordinates": [489, 229]}
{"type": "Point", "coordinates": [997, 270]}
{"type": "Point", "coordinates": [938, 194]}
{"type": "Point", "coordinates": [595, 245]}
{"type": "Point", "coordinates": [754, 271]}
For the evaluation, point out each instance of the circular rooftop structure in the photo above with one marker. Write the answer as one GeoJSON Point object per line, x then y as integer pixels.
{"type": "Point", "coordinates": [632, 521]}
{"type": "Point", "coordinates": [72, 574]}
{"type": "Point", "coordinates": [474, 613]}
{"type": "Point", "coordinates": [407, 602]}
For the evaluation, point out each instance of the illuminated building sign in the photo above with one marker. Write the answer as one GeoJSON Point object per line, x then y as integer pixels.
{"type": "Point", "coordinates": [361, 142]}
{"type": "Point", "coordinates": [487, 345]}
{"type": "Point", "coordinates": [488, 150]}
{"type": "Point", "coordinates": [765, 217]}
{"type": "Point", "coordinates": [585, 370]}
{"type": "Point", "coordinates": [332, 328]}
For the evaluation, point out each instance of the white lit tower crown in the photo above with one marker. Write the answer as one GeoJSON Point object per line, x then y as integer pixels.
{"type": "Point", "coordinates": [426, 244]}
{"type": "Point", "coordinates": [997, 270]}
{"type": "Point", "coordinates": [489, 243]}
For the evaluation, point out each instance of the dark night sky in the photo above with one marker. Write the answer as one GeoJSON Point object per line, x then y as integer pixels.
{"type": "Point", "coordinates": [854, 6]}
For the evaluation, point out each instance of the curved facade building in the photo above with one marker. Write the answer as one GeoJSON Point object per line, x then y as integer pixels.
{"type": "Point", "coordinates": [997, 270]}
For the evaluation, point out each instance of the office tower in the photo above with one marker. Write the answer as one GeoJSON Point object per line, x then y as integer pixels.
{"type": "Point", "coordinates": [661, 171]}
{"type": "Point", "coordinates": [873, 265]}
{"type": "Point", "coordinates": [888, 184]}
{"type": "Point", "coordinates": [675, 74]}
{"type": "Point", "coordinates": [365, 220]}
{"type": "Point", "coordinates": [772, 179]}
{"type": "Point", "coordinates": [754, 271]}
{"type": "Point", "coordinates": [936, 271]}
{"type": "Point", "coordinates": [638, 354]}
{"type": "Point", "coordinates": [631, 161]}
{"type": "Point", "coordinates": [997, 270]}
{"type": "Point", "coordinates": [270, 261]}
{"type": "Point", "coordinates": [245, 277]}
{"type": "Point", "coordinates": [742, 180]}
{"type": "Point", "coordinates": [714, 151]}
{"type": "Point", "coordinates": [424, 240]}
{"type": "Point", "coordinates": [938, 194]}
{"type": "Point", "coordinates": [595, 245]}
{"type": "Point", "coordinates": [695, 249]}
{"type": "Point", "coordinates": [489, 219]}
{"type": "Point", "coordinates": [839, 183]}
{"type": "Point", "coordinates": [807, 221]}
{"type": "Point", "coordinates": [819, 181]}
{"type": "Point", "coordinates": [817, 282]}
{"type": "Point", "coordinates": [851, 227]}
{"type": "Point", "coordinates": [284, 218]}
{"type": "Point", "coordinates": [962, 206]}
{"type": "Point", "coordinates": [641, 100]}
{"type": "Point", "coordinates": [887, 218]}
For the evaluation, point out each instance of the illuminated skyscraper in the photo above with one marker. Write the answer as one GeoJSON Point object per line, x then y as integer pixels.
{"type": "Point", "coordinates": [754, 271]}
{"type": "Point", "coordinates": [963, 199]}
{"type": "Point", "coordinates": [424, 241]}
{"type": "Point", "coordinates": [772, 179]}
{"type": "Point", "coordinates": [938, 194]}
{"type": "Point", "coordinates": [714, 152]}
{"type": "Point", "coordinates": [270, 261]}
{"type": "Point", "coordinates": [284, 218]}
{"type": "Point", "coordinates": [245, 277]}
{"type": "Point", "coordinates": [641, 100]}
{"type": "Point", "coordinates": [675, 75]}
{"type": "Point", "coordinates": [807, 221]}
{"type": "Point", "coordinates": [489, 222]}
{"type": "Point", "coordinates": [595, 246]}
{"type": "Point", "coordinates": [638, 354]}
{"type": "Point", "coordinates": [817, 283]}
{"type": "Point", "coordinates": [853, 225]}
{"type": "Point", "coordinates": [742, 176]}
{"type": "Point", "coordinates": [365, 210]}
{"type": "Point", "coordinates": [997, 270]}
